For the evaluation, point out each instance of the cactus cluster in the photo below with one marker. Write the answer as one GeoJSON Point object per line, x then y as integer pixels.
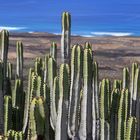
{"type": "Point", "coordinates": [67, 102]}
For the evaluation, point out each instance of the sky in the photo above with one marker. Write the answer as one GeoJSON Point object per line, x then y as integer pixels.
{"type": "Point", "coordinates": [25, 12]}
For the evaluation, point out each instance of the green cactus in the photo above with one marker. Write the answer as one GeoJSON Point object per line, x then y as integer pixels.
{"type": "Point", "coordinates": [122, 115]}
{"type": "Point", "coordinates": [113, 113]}
{"type": "Point", "coordinates": [62, 117]}
{"type": "Point", "coordinates": [75, 87]}
{"type": "Point", "coordinates": [19, 68]}
{"type": "Point", "coordinates": [125, 78]}
{"type": "Point", "coordinates": [95, 102]}
{"type": "Point", "coordinates": [7, 114]}
{"type": "Point", "coordinates": [65, 38]}
{"type": "Point", "coordinates": [131, 129]}
{"type": "Point", "coordinates": [4, 55]}
{"type": "Point", "coordinates": [9, 71]}
{"type": "Point", "coordinates": [53, 50]}
{"type": "Point", "coordinates": [133, 71]}
{"type": "Point", "coordinates": [105, 105]}
{"type": "Point", "coordinates": [52, 70]}
{"type": "Point", "coordinates": [27, 101]}
{"type": "Point", "coordinates": [85, 129]}
{"type": "Point", "coordinates": [117, 84]}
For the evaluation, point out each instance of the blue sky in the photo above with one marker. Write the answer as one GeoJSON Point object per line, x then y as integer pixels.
{"type": "Point", "coordinates": [84, 13]}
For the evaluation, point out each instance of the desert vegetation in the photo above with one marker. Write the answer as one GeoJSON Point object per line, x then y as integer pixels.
{"type": "Point", "coordinates": [67, 100]}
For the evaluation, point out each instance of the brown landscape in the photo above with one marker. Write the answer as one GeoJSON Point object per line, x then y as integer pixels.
{"type": "Point", "coordinates": [112, 53]}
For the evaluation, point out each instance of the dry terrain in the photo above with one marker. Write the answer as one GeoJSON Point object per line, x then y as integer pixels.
{"type": "Point", "coordinates": [112, 53]}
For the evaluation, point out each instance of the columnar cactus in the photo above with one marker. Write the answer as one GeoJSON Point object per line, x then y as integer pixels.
{"type": "Point", "coordinates": [65, 39]}
{"type": "Point", "coordinates": [75, 88]}
{"type": "Point", "coordinates": [131, 129]}
{"type": "Point", "coordinates": [85, 129]}
{"type": "Point", "coordinates": [62, 117]}
{"type": "Point", "coordinates": [95, 102]}
{"type": "Point", "coordinates": [19, 69]}
{"type": "Point", "coordinates": [125, 78]}
{"type": "Point", "coordinates": [53, 50]}
{"type": "Point", "coordinates": [122, 114]}
{"type": "Point", "coordinates": [7, 114]}
{"type": "Point", "coordinates": [4, 43]}
{"type": "Point", "coordinates": [133, 71]}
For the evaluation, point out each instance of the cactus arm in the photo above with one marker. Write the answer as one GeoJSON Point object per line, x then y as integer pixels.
{"type": "Point", "coordinates": [85, 129]}
{"type": "Point", "coordinates": [62, 117]}
{"type": "Point", "coordinates": [131, 129]}
{"type": "Point", "coordinates": [27, 102]}
{"type": "Point", "coordinates": [65, 39]}
{"type": "Point", "coordinates": [19, 69]}
{"type": "Point", "coordinates": [125, 78]}
{"type": "Point", "coordinates": [53, 50]}
{"type": "Point", "coordinates": [95, 102]}
{"type": "Point", "coordinates": [134, 67]}
{"type": "Point", "coordinates": [7, 114]}
{"type": "Point", "coordinates": [75, 87]}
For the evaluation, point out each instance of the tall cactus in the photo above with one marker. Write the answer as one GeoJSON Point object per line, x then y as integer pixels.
{"type": "Point", "coordinates": [62, 117]}
{"type": "Point", "coordinates": [131, 129]}
{"type": "Point", "coordinates": [105, 105]}
{"type": "Point", "coordinates": [53, 50]}
{"type": "Point", "coordinates": [122, 115]}
{"type": "Point", "coordinates": [95, 102]}
{"type": "Point", "coordinates": [85, 129]}
{"type": "Point", "coordinates": [75, 88]}
{"type": "Point", "coordinates": [113, 113]}
{"type": "Point", "coordinates": [125, 78]}
{"type": "Point", "coordinates": [65, 39]}
{"type": "Point", "coordinates": [19, 69]}
{"type": "Point", "coordinates": [4, 54]}
{"type": "Point", "coordinates": [133, 71]}
{"type": "Point", "coordinates": [7, 114]}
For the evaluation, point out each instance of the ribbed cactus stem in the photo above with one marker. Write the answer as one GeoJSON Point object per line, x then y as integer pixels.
{"type": "Point", "coordinates": [125, 78]}
{"type": "Point", "coordinates": [131, 129]}
{"type": "Point", "coordinates": [85, 129]}
{"type": "Point", "coordinates": [62, 117]}
{"type": "Point", "coordinates": [4, 43]}
{"type": "Point", "coordinates": [122, 114]}
{"type": "Point", "coordinates": [95, 102]}
{"type": "Point", "coordinates": [53, 50]}
{"type": "Point", "coordinates": [27, 101]}
{"type": "Point", "coordinates": [75, 88]}
{"type": "Point", "coordinates": [136, 91]}
{"type": "Point", "coordinates": [7, 114]}
{"type": "Point", "coordinates": [19, 70]}
{"type": "Point", "coordinates": [65, 39]}
{"type": "Point", "coordinates": [9, 71]}
{"type": "Point", "coordinates": [133, 71]}
{"type": "Point", "coordinates": [113, 113]}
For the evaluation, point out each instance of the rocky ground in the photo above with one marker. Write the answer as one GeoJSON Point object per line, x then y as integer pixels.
{"type": "Point", "coordinates": [112, 53]}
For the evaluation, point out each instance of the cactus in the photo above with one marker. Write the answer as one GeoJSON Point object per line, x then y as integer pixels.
{"type": "Point", "coordinates": [53, 50]}
{"type": "Point", "coordinates": [125, 78]}
{"type": "Point", "coordinates": [62, 117]}
{"type": "Point", "coordinates": [113, 113]}
{"type": "Point", "coordinates": [122, 114]}
{"type": "Point", "coordinates": [95, 102]}
{"type": "Point", "coordinates": [85, 129]}
{"type": "Point", "coordinates": [7, 114]}
{"type": "Point", "coordinates": [65, 39]}
{"type": "Point", "coordinates": [131, 129]}
{"type": "Point", "coordinates": [134, 67]}
{"type": "Point", "coordinates": [75, 87]}
{"type": "Point", "coordinates": [19, 69]}
{"type": "Point", "coordinates": [117, 84]}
